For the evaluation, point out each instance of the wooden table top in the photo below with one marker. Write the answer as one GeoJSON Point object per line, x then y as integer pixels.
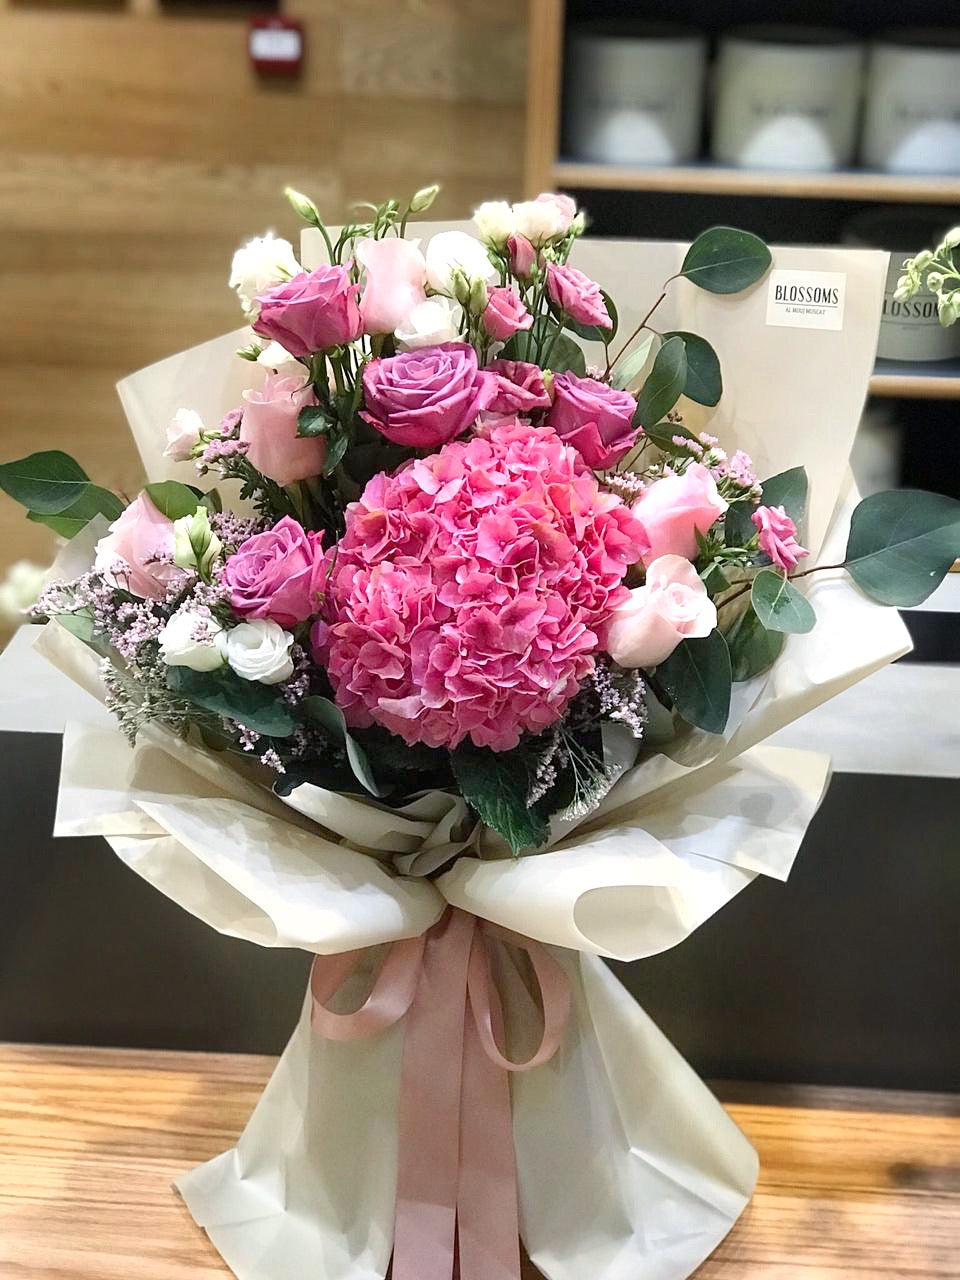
{"type": "Point", "coordinates": [854, 1185]}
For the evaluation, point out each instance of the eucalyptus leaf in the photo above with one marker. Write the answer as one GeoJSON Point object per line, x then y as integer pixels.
{"type": "Point", "coordinates": [258, 706]}
{"type": "Point", "coordinates": [664, 433]}
{"type": "Point", "coordinates": [738, 528]}
{"type": "Point", "coordinates": [779, 605]}
{"type": "Point", "coordinates": [726, 260]}
{"type": "Point", "coordinates": [663, 388]}
{"type": "Point", "coordinates": [172, 499]}
{"type": "Point", "coordinates": [496, 785]}
{"type": "Point", "coordinates": [93, 501]}
{"type": "Point", "coordinates": [329, 715]}
{"type": "Point", "coordinates": [704, 382]}
{"type": "Point", "coordinates": [902, 543]}
{"type": "Point", "coordinates": [45, 483]}
{"type": "Point", "coordinates": [698, 677]}
{"type": "Point", "coordinates": [79, 624]}
{"type": "Point", "coordinates": [632, 364]}
{"type": "Point", "coordinates": [753, 648]}
{"type": "Point", "coordinates": [789, 490]}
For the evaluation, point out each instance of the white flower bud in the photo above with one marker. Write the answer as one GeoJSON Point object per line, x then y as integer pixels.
{"type": "Point", "coordinates": [952, 239]}
{"type": "Point", "coordinates": [303, 206]}
{"type": "Point", "coordinates": [260, 650]}
{"type": "Point", "coordinates": [421, 200]}
{"type": "Point", "coordinates": [193, 640]}
{"type": "Point", "coordinates": [195, 545]}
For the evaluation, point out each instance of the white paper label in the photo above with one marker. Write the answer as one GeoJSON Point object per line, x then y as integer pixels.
{"type": "Point", "coordinates": [806, 299]}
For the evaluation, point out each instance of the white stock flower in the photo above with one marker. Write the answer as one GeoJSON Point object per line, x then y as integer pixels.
{"type": "Point", "coordinates": [260, 650]}
{"type": "Point", "coordinates": [193, 640]}
{"type": "Point", "coordinates": [261, 262]}
{"type": "Point", "coordinates": [451, 251]}
{"type": "Point", "coordinates": [284, 365]}
{"type": "Point", "coordinates": [19, 589]}
{"type": "Point", "coordinates": [183, 432]}
{"type": "Point", "coordinates": [430, 323]}
{"type": "Point", "coordinates": [539, 220]}
{"type": "Point", "coordinates": [495, 222]}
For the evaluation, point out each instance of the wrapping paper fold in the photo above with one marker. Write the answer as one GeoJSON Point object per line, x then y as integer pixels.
{"type": "Point", "coordinates": [628, 1168]}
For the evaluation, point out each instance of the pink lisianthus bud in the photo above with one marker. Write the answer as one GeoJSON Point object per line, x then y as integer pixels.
{"type": "Point", "coordinates": [425, 398]}
{"type": "Point", "coordinates": [596, 419]}
{"type": "Point", "coordinates": [577, 296]}
{"type": "Point", "coordinates": [672, 605]}
{"type": "Point", "coordinates": [312, 312]}
{"type": "Point", "coordinates": [505, 314]}
{"type": "Point", "coordinates": [522, 256]}
{"type": "Point", "coordinates": [395, 272]}
{"type": "Point", "coordinates": [137, 553]}
{"type": "Point", "coordinates": [277, 574]}
{"type": "Point", "coordinates": [269, 429]}
{"type": "Point", "coordinates": [778, 537]}
{"type": "Point", "coordinates": [675, 509]}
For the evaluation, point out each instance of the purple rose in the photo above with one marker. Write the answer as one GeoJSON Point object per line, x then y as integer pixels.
{"type": "Point", "coordinates": [278, 574]}
{"type": "Point", "coordinates": [596, 419]}
{"type": "Point", "coordinates": [519, 387]}
{"type": "Point", "coordinates": [312, 312]}
{"type": "Point", "coordinates": [424, 398]}
{"type": "Point", "coordinates": [577, 296]}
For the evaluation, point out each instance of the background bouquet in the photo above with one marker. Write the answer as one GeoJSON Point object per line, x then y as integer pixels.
{"type": "Point", "coordinates": [457, 597]}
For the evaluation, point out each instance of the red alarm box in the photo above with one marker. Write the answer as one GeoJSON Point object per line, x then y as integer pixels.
{"type": "Point", "coordinates": [275, 45]}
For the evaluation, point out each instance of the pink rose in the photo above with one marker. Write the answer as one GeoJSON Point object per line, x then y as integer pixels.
{"type": "Point", "coordinates": [778, 537]}
{"type": "Point", "coordinates": [519, 387]}
{"type": "Point", "coordinates": [312, 312]}
{"type": "Point", "coordinates": [278, 574]}
{"type": "Point", "coordinates": [269, 428]}
{"type": "Point", "coordinates": [671, 606]}
{"type": "Point", "coordinates": [395, 272]}
{"type": "Point", "coordinates": [137, 553]}
{"type": "Point", "coordinates": [594, 418]}
{"type": "Point", "coordinates": [505, 314]}
{"type": "Point", "coordinates": [424, 398]}
{"type": "Point", "coordinates": [522, 256]}
{"type": "Point", "coordinates": [577, 296]}
{"type": "Point", "coordinates": [675, 509]}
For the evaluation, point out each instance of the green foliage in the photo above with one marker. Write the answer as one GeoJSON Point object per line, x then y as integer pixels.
{"type": "Point", "coordinates": [316, 420]}
{"type": "Point", "coordinates": [787, 489]}
{"type": "Point", "coordinates": [329, 715]}
{"type": "Point", "coordinates": [94, 501]}
{"type": "Point", "coordinates": [662, 435]}
{"type": "Point", "coordinates": [779, 605]}
{"type": "Point", "coordinates": [497, 784]}
{"type": "Point", "coordinates": [704, 382]}
{"type": "Point", "coordinates": [726, 260]}
{"type": "Point", "coordinates": [57, 492]}
{"type": "Point", "coordinates": [258, 706]}
{"type": "Point", "coordinates": [545, 342]}
{"type": "Point", "coordinates": [591, 332]}
{"type": "Point", "coordinates": [753, 648]}
{"type": "Point", "coordinates": [172, 499]}
{"type": "Point", "coordinates": [632, 363]}
{"type": "Point", "coordinates": [698, 677]}
{"type": "Point", "coordinates": [663, 388]}
{"type": "Point", "coordinates": [902, 543]}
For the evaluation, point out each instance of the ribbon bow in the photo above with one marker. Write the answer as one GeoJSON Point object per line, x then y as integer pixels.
{"type": "Point", "coordinates": [456, 1177]}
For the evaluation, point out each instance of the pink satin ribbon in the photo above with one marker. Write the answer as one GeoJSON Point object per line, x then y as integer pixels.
{"type": "Point", "coordinates": [457, 1177]}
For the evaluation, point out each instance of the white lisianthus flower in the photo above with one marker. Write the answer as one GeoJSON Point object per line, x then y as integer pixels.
{"type": "Point", "coordinates": [262, 262]}
{"type": "Point", "coordinates": [260, 650]}
{"type": "Point", "coordinates": [281, 362]}
{"type": "Point", "coordinates": [495, 222]}
{"type": "Point", "coordinates": [183, 434]}
{"type": "Point", "coordinates": [454, 251]}
{"type": "Point", "coordinates": [430, 323]}
{"type": "Point", "coordinates": [540, 220]}
{"type": "Point", "coordinates": [19, 589]}
{"type": "Point", "coordinates": [193, 640]}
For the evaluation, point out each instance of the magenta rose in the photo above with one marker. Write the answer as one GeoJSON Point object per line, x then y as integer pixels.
{"type": "Point", "coordinates": [596, 419]}
{"type": "Point", "coordinates": [518, 387]}
{"type": "Point", "coordinates": [424, 398]}
{"type": "Point", "coordinates": [137, 553]}
{"type": "Point", "coordinates": [778, 537]}
{"type": "Point", "coordinates": [577, 296]}
{"type": "Point", "coordinates": [312, 312]}
{"type": "Point", "coordinates": [269, 429]}
{"type": "Point", "coordinates": [505, 314]}
{"type": "Point", "coordinates": [278, 574]}
{"type": "Point", "coordinates": [675, 509]}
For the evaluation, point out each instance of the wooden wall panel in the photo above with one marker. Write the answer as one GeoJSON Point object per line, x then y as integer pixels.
{"type": "Point", "coordinates": [137, 149]}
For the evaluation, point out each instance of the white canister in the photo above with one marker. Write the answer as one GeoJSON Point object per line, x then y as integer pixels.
{"type": "Point", "coordinates": [909, 330]}
{"type": "Point", "coordinates": [787, 98]}
{"type": "Point", "coordinates": [912, 122]}
{"type": "Point", "coordinates": [634, 93]}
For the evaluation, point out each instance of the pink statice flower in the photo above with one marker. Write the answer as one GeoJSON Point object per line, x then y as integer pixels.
{"type": "Point", "coordinates": [778, 537]}
{"type": "Point", "coordinates": [469, 591]}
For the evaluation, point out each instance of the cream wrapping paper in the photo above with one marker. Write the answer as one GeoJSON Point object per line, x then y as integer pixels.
{"type": "Point", "coordinates": [628, 1167]}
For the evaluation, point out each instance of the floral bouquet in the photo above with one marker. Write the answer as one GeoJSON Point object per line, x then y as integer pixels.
{"type": "Point", "coordinates": [456, 678]}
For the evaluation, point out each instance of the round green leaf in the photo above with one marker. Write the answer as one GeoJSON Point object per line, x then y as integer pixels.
{"type": "Point", "coordinates": [704, 383]}
{"type": "Point", "coordinates": [902, 543]}
{"type": "Point", "coordinates": [779, 605]}
{"type": "Point", "coordinates": [726, 260]}
{"type": "Point", "coordinates": [698, 678]}
{"type": "Point", "coordinates": [663, 388]}
{"type": "Point", "coordinates": [44, 483]}
{"type": "Point", "coordinates": [629, 366]}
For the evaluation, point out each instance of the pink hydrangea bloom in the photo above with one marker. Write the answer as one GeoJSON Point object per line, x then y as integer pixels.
{"type": "Point", "coordinates": [468, 592]}
{"type": "Point", "coordinates": [778, 537]}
